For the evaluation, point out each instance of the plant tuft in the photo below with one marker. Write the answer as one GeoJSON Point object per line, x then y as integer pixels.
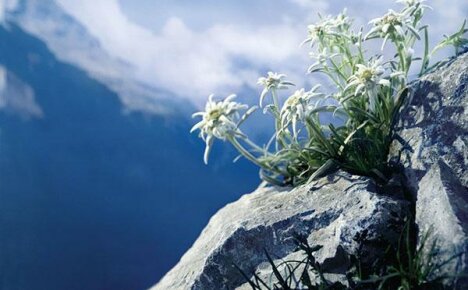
{"type": "Point", "coordinates": [362, 110]}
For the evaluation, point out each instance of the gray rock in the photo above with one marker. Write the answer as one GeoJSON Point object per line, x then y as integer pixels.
{"type": "Point", "coordinates": [350, 215]}
{"type": "Point", "coordinates": [435, 127]}
{"type": "Point", "coordinates": [344, 213]}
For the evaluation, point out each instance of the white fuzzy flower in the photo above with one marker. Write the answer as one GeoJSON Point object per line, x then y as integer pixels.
{"type": "Point", "coordinates": [367, 76]}
{"type": "Point", "coordinates": [273, 81]}
{"type": "Point", "coordinates": [415, 9]}
{"type": "Point", "coordinates": [409, 52]}
{"type": "Point", "coordinates": [297, 106]}
{"type": "Point", "coordinates": [367, 79]}
{"type": "Point", "coordinates": [393, 25]}
{"type": "Point", "coordinates": [341, 23]}
{"type": "Point", "coordinates": [219, 120]}
{"type": "Point", "coordinates": [329, 26]}
{"type": "Point", "coordinates": [316, 31]}
{"type": "Point", "coordinates": [390, 22]}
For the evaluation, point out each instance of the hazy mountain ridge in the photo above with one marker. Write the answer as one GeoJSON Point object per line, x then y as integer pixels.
{"type": "Point", "coordinates": [72, 43]}
{"type": "Point", "coordinates": [90, 198]}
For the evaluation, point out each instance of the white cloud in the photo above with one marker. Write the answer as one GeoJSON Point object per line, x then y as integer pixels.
{"type": "Point", "coordinates": [5, 6]}
{"type": "Point", "coordinates": [192, 63]}
{"type": "Point", "coordinates": [217, 58]}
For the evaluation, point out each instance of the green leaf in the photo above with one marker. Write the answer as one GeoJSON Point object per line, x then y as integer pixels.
{"type": "Point", "coordinates": [247, 278]}
{"type": "Point", "coordinates": [327, 168]}
{"type": "Point", "coordinates": [278, 276]}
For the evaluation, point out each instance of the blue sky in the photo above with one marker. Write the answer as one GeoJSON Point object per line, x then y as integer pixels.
{"type": "Point", "coordinates": [202, 14]}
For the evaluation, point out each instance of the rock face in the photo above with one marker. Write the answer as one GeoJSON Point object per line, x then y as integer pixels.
{"type": "Point", "coordinates": [344, 213]}
{"type": "Point", "coordinates": [350, 215]}
{"type": "Point", "coordinates": [434, 160]}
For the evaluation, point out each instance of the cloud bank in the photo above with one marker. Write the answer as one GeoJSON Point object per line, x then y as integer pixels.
{"type": "Point", "coordinates": [193, 61]}
{"type": "Point", "coordinates": [6, 5]}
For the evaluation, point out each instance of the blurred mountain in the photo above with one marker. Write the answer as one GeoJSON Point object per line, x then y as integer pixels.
{"type": "Point", "coordinates": [70, 42]}
{"type": "Point", "coordinates": [95, 193]}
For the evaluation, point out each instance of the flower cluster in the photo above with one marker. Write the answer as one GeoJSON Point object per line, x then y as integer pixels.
{"type": "Point", "coordinates": [349, 128]}
{"type": "Point", "coordinates": [416, 7]}
{"type": "Point", "coordinates": [219, 120]}
{"type": "Point", "coordinates": [272, 82]}
{"type": "Point", "coordinates": [393, 25]}
{"type": "Point", "coordinates": [367, 80]}
{"type": "Point", "coordinates": [297, 106]}
{"type": "Point", "coordinates": [328, 27]}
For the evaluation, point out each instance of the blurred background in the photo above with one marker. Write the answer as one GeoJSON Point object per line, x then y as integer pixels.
{"type": "Point", "coordinates": [101, 184]}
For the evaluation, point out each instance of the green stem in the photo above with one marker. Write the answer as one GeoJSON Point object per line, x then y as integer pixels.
{"type": "Point", "coordinates": [402, 59]}
{"type": "Point", "coordinates": [425, 61]}
{"type": "Point", "coordinates": [349, 55]}
{"type": "Point", "coordinates": [361, 53]}
{"type": "Point", "coordinates": [254, 160]}
{"type": "Point", "coordinates": [246, 153]}
{"type": "Point", "coordinates": [335, 81]}
{"type": "Point", "coordinates": [277, 117]}
{"type": "Point", "coordinates": [338, 71]}
{"type": "Point", "coordinates": [253, 145]}
{"type": "Point", "coordinates": [275, 99]}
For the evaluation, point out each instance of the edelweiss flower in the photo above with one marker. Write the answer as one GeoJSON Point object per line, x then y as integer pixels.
{"type": "Point", "coordinates": [329, 26]}
{"type": "Point", "coordinates": [367, 79]}
{"type": "Point", "coordinates": [341, 22]}
{"type": "Point", "coordinates": [392, 25]}
{"type": "Point", "coordinates": [415, 9]}
{"type": "Point", "coordinates": [219, 120]}
{"type": "Point", "coordinates": [273, 81]}
{"type": "Point", "coordinates": [367, 76]}
{"type": "Point", "coordinates": [316, 31]}
{"type": "Point", "coordinates": [390, 22]}
{"type": "Point", "coordinates": [297, 105]}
